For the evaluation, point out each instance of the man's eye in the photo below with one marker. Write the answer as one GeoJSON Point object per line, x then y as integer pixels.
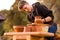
{"type": "Point", "coordinates": [25, 8]}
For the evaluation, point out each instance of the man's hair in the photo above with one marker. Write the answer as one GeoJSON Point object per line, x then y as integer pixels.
{"type": "Point", "coordinates": [21, 4]}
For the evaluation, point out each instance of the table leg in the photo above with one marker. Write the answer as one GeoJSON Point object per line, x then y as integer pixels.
{"type": "Point", "coordinates": [42, 38]}
{"type": "Point", "coordinates": [14, 37]}
{"type": "Point", "coordinates": [28, 37]}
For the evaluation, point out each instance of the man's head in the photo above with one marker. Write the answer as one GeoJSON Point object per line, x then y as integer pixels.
{"type": "Point", "coordinates": [25, 6]}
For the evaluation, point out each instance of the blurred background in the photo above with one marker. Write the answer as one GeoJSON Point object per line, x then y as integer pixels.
{"type": "Point", "coordinates": [9, 14]}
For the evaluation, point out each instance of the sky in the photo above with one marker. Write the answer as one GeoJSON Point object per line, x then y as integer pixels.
{"type": "Point", "coordinates": [6, 4]}
{"type": "Point", "coordinates": [31, 1]}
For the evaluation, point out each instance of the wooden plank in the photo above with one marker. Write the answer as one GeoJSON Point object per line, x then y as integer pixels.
{"type": "Point", "coordinates": [37, 28]}
{"type": "Point", "coordinates": [31, 33]}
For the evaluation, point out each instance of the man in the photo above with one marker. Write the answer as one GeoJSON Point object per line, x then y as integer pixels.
{"type": "Point", "coordinates": [38, 10]}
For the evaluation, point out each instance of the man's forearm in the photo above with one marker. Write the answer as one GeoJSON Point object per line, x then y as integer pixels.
{"type": "Point", "coordinates": [47, 19]}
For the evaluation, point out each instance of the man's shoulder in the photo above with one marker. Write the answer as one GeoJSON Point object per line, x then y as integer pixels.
{"type": "Point", "coordinates": [36, 3]}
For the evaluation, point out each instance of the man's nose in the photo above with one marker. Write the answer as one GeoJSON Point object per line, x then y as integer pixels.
{"type": "Point", "coordinates": [26, 10]}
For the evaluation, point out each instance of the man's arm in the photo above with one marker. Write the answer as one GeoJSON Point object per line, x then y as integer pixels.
{"type": "Point", "coordinates": [47, 19]}
{"type": "Point", "coordinates": [30, 18]}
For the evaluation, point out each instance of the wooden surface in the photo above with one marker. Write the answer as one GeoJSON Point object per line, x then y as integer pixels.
{"type": "Point", "coordinates": [31, 32]}
{"type": "Point", "coordinates": [37, 27]}
{"type": "Point", "coordinates": [29, 35]}
{"type": "Point", "coordinates": [34, 32]}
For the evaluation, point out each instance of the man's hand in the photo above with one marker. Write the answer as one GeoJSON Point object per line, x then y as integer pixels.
{"type": "Point", "coordinates": [38, 19]}
{"type": "Point", "coordinates": [47, 19]}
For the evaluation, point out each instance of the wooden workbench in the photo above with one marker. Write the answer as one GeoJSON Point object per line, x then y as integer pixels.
{"type": "Point", "coordinates": [29, 35]}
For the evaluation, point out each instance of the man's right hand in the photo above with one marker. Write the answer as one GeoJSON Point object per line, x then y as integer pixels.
{"type": "Point", "coordinates": [38, 19]}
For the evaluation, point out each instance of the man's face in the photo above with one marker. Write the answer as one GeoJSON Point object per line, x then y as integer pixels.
{"type": "Point", "coordinates": [27, 8]}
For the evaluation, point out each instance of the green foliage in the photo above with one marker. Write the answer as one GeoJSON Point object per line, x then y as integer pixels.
{"type": "Point", "coordinates": [16, 17]}
{"type": "Point", "coordinates": [1, 29]}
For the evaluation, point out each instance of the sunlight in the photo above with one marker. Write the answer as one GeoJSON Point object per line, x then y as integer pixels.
{"type": "Point", "coordinates": [31, 1]}
{"type": "Point", "coordinates": [6, 4]}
